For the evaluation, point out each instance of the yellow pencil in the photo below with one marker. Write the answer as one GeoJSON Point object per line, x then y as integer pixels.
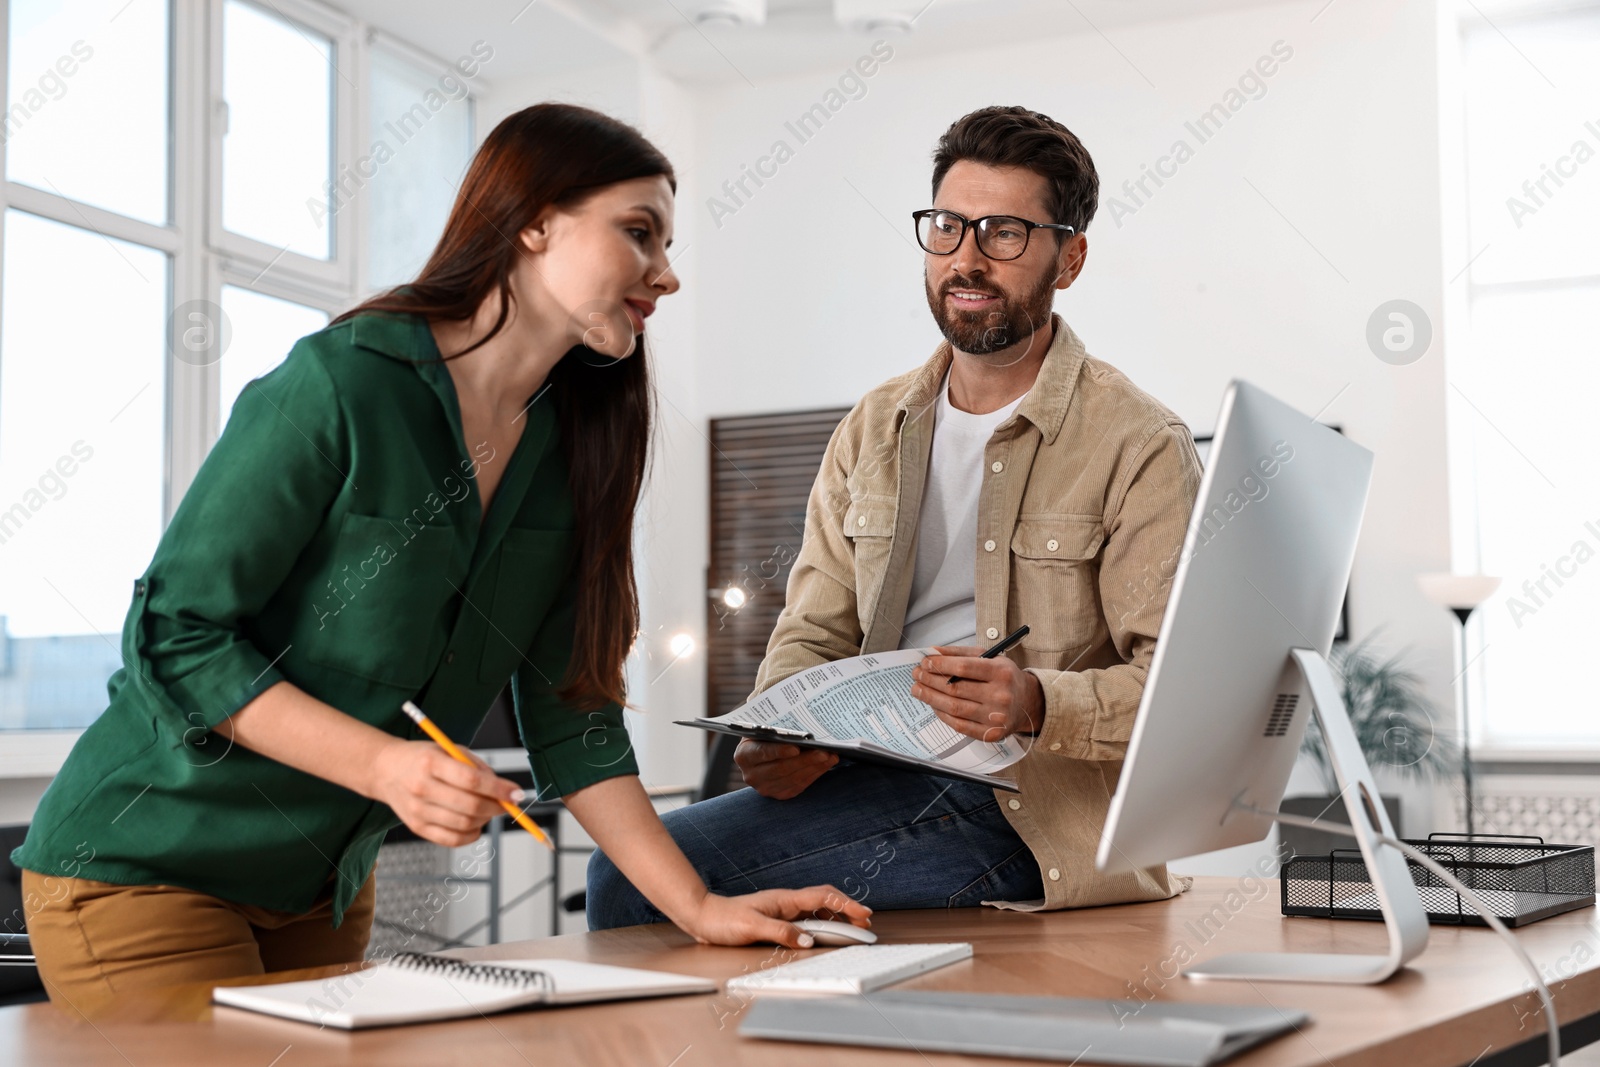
{"type": "Point", "coordinates": [450, 746]}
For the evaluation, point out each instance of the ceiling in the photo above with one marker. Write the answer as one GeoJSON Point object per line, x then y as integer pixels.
{"type": "Point", "coordinates": [527, 38]}
{"type": "Point", "coordinates": [552, 36]}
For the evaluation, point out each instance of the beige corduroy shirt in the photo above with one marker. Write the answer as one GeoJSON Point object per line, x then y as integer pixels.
{"type": "Point", "coordinates": [1087, 490]}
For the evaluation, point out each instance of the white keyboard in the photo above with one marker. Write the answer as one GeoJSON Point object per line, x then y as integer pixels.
{"type": "Point", "coordinates": [857, 969]}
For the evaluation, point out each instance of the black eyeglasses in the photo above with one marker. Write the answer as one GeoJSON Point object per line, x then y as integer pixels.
{"type": "Point", "coordinates": [999, 236]}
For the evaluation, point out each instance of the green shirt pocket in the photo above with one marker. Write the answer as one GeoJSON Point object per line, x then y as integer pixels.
{"type": "Point", "coordinates": [533, 565]}
{"type": "Point", "coordinates": [388, 582]}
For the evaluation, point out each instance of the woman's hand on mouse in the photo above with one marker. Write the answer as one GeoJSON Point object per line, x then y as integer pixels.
{"type": "Point", "coordinates": [780, 771]}
{"type": "Point", "coordinates": [761, 916]}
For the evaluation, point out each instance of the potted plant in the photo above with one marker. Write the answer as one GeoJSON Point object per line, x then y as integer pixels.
{"type": "Point", "coordinates": [1395, 726]}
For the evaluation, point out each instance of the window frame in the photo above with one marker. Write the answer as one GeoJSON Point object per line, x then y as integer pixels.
{"type": "Point", "coordinates": [1466, 512]}
{"type": "Point", "coordinates": [40, 753]}
{"type": "Point", "coordinates": [202, 256]}
{"type": "Point", "coordinates": [376, 40]}
{"type": "Point", "coordinates": [338, 271]}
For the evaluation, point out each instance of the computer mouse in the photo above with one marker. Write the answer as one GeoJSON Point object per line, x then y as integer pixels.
{"type": "Point", "coordinates": [828, 932]}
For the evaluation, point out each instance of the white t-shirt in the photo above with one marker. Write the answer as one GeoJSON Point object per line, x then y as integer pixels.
{"type": "Point", "coordinates": [943, 609]}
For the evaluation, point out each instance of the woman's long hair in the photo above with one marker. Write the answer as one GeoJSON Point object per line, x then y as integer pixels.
{"type": "Point", "coordinates": [558, 154]}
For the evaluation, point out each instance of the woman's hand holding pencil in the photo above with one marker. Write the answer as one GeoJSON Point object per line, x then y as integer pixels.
{"type": "Point", "coordinates": [466, 756]}
{"type": "Point", "coordinates": [439, 797]}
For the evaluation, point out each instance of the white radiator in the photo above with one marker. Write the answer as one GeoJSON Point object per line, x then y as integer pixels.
{"type": "Point", "coordinates": [1562, 809]}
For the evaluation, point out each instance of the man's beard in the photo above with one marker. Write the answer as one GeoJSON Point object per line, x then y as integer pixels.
{"type": "Point", "coordinates": [980, 333]}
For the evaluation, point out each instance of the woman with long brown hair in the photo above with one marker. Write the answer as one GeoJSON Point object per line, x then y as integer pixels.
{"type": "Point", "coordinates": [431, 496]}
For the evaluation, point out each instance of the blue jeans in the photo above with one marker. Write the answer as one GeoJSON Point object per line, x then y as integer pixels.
{"type": "Point", "coordinates": [889, 838]}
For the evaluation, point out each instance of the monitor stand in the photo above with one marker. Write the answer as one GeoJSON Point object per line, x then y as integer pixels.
{"type": "Point", "coordinates": [1403, 914]}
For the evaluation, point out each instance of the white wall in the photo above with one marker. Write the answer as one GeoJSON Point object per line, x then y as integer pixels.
{"type": "Point", "coordinates": [1262, 258]}
{"type": "Point", "coordinates": [19, 797]}
{"type": "Point", "coordinates": [612, 88]}
{"type": "Point", "coordinates": [672, 532]}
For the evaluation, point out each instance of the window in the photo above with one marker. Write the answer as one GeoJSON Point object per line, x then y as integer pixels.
{"type": "Point", "coordinates": [87, 83]}
{"type": "Point", "coordinates": [278, 91]}
{"type": "Point", "coordinates": [83, 457]}
{"type": "Point", "coordinates": [1521, 386]}
{"type": "Point", "coordinates": [419, 143]}
{"type": "Point", "coordinates": [263, 330]}
{"type": "Point", "coordinates": [83, 397]}
{"type": "Point", "coordinates": [169, 227]}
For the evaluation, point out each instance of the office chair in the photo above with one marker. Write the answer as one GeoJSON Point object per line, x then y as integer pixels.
{"type": "Point", "coordinates": [15, 951]}
{"type": "Point", "coordinates": [720, 777]}
{"type": "Point", "coordinates": [19, 975]}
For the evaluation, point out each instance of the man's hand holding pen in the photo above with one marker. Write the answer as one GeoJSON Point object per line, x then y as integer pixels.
{"type": "Point", "coordinates": [979, 692]}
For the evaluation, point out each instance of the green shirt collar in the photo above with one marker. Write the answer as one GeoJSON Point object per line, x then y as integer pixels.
{"type": "Point", "coordinates": [399, 336]}
{"type": "Point", "coordinates": [407, 338]}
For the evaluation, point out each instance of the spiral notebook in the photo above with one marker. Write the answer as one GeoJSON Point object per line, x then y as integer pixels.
{"type": "Point", "coordinates": [412, 987]}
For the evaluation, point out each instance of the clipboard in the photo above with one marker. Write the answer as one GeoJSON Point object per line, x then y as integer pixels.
{"type": "Point", "coordinates": [865, 751]}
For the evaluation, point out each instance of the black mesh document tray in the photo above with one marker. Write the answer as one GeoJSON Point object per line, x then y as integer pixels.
{"type": "Point", "coordinates": [1522, 879]}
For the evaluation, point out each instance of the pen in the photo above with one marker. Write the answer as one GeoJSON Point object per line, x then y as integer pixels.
{"type": "Point", "coordinates": [1004, 643]}
{"type": "Point", "coordinates": [438, 735]}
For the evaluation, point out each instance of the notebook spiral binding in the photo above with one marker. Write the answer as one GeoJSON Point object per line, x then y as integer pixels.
{"type": "Point", "coordinates": [445, 967]}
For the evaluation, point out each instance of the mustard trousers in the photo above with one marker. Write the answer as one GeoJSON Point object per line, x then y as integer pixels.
{"type": "Point", "coordinates": [96, 939]}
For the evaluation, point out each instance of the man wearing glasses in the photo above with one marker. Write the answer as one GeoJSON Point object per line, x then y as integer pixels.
{"type": "Point", "coordinates": [1012, 479]}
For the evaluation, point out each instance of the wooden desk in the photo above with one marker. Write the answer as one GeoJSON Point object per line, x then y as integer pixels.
{"type": "Point", "coordinates": [1461, 1002]}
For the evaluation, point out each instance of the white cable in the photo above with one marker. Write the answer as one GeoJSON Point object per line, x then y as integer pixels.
{"type": "Point", "coordinates": [1552, 1028]}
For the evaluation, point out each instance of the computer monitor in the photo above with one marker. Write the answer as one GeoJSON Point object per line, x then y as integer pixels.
{"type": "Point", "coordinates": [1240, 667]}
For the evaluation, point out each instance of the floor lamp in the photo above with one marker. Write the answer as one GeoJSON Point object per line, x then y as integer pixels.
{"type": "Point", "coordinates": [1461, 593]}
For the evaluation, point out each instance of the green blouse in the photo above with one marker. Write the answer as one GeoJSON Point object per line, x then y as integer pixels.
{"type": "Point", "coordinates": [331, 539]}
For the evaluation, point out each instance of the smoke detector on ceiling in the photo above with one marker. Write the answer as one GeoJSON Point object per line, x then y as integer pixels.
{"type": "Point", "coordinates": [878, 16]}
{"type": "Point", "coordinates": [718, 13]}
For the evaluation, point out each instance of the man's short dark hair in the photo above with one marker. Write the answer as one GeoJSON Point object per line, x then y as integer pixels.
{"type": "Point", "coordinates": [1016, 137]}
